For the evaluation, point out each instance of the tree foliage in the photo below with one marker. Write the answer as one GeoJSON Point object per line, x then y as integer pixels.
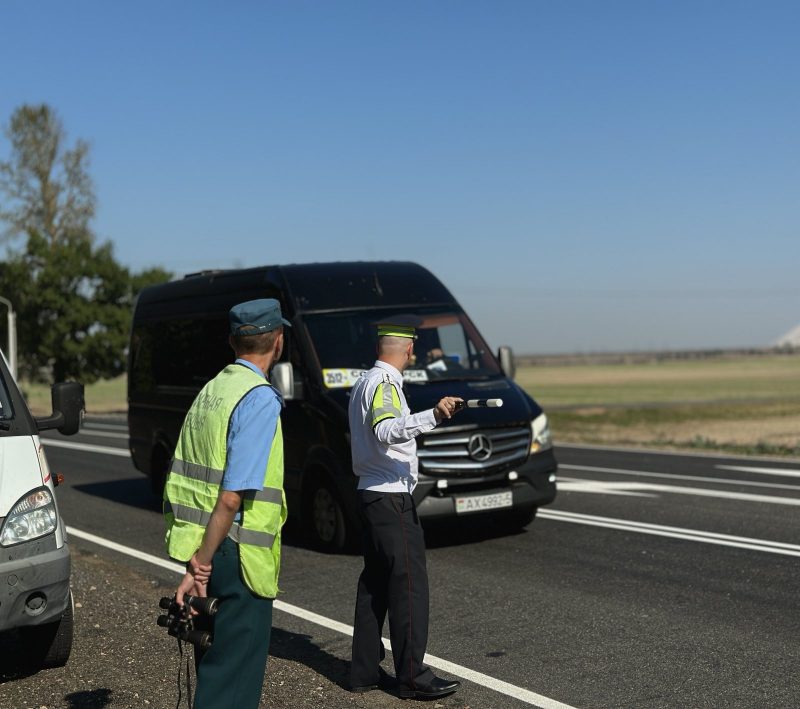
{"type": "Point", "coordinates": [73, 299]}
{"type": "Point", "coordinates": [47, 185]}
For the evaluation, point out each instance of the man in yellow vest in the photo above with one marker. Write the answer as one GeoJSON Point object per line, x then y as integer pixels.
{"type": "Point", "coordinates": [224, 505]}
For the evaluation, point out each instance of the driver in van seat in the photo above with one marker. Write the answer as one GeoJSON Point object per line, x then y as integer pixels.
{"type": "Point", "coordinates": [224, 504]}
{"type": "Point", "coordinates": [394, 579]}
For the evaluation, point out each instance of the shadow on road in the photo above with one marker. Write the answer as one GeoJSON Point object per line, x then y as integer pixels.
{"type": "Point", "coordinates": [458, 532]}
{"type": "Point", "coordinates": [300, 648]}
{"type": "Point", "coordinates": [91, 699]}
{"type": "Point", "coordinates": [130, 491]}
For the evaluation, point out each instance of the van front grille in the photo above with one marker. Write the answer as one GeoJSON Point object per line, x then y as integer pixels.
{"type": "Point", "coordinates": [469, 450]}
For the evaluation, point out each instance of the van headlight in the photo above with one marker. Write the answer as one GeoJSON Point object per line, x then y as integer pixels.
{"type": "Point", "coordinates": [540, 434]}
{"type": "Point", "coordinates": [32, 517]}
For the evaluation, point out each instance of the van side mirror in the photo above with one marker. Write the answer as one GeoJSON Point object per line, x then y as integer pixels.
{"type": "Point", "coordinates": [506, 357]}
{"type": "Point", "coordinates": [68, 406]}
{"type": "Point", "coordinates": [282, 378]}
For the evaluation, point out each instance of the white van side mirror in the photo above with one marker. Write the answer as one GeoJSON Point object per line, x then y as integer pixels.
{"type": "Point", "coordinates": [506, 357]}
{"type": "Point", "coordinates": [282, 378]}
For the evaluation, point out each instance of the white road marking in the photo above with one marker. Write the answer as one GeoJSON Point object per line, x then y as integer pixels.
{"type": "Point", "coordinates": [107, 450]}
{"type": "Point", "coordinates": [673, 476]}
{"type": "Point", "coordinates": [632, 488]}
{"type": "Point", "coordinates": [785, 472]}
{"type": "Point", "coordinates": [109, 426]}
{"type": "Point", "coordinates": [601, 487]}
{"type": "Point", "coordinates": [101, 434]}
{"type": "Point", "coordinates": [673, 532]}
{"type": "Point", "coordinates": [524, 695]}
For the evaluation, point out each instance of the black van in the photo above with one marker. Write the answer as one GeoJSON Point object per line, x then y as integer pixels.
{"type": "Point", "coordinates": [486, 461]}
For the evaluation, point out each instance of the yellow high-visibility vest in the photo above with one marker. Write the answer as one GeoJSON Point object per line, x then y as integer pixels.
{"type": "Point", "coordinates": [193, 484]}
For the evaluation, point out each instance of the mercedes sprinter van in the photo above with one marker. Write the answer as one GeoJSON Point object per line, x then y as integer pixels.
{"type": "Point", "coordinates": [493, 461]}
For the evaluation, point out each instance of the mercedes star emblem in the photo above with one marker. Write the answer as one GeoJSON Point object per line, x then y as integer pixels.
{"type": "Point", "coordinates": [479, 447]}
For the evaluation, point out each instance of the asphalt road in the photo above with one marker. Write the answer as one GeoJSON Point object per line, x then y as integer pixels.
{"type": "Point", "coordinates": [654, 580]}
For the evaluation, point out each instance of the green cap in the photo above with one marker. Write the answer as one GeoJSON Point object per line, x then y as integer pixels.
{"type": "Point", "coordinates": [256, 317]}
{"type": "Point", "coordinates": [399, 326]}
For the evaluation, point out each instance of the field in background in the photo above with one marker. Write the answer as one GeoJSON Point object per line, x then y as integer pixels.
{"type": "Point", "coordinates": [108, 396]}
{"type": "Point", "coordinates": [738, 404]}
{"type": "Point", "coordinates": [742, 404]}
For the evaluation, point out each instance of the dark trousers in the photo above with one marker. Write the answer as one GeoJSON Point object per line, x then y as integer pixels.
{"type": "Point", "coordinates": [394, 580]}
{"type": "Point", "coordinates": [231, 672]}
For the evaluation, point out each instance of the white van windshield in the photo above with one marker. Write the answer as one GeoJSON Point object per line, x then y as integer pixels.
{"type": "Point", "coordinates": [448, 346]}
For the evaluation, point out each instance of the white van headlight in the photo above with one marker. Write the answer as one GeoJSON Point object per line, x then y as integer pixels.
{"type": "Point", "coordinates": [32, 517]}
{"type": "Point", "coordinates": [540, 434]}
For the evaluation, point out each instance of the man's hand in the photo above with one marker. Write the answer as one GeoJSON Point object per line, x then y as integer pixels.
{"type": "Point", "coordinates": [201, 572]}
{"type": "Point", "coordinates": [447, 407]}
{"type": "Point", "coordinates": [191, 586]}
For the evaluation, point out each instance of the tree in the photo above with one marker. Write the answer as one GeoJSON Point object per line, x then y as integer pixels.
{"type": "Point", "coordinates": [73, 300]}
{"type": "Point", "coordinates": [47, 185]}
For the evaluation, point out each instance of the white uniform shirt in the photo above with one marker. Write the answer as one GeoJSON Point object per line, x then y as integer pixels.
{"type": "Point", "coordinates": [382, 431]}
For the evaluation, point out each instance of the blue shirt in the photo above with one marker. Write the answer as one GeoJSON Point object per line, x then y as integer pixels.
{"type": "Point", "coordinates": [253, 425]}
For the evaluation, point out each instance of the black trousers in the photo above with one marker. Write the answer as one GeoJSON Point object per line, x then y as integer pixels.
{"type": "Point", "coordinates": [394, 580]}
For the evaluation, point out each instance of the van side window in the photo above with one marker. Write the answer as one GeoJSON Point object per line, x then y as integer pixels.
{"type": "Point", "coordinates": [196, 348]}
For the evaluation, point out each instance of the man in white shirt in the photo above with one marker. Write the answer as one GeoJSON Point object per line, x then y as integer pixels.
{"type": "Point", "coordinates": [394, 579]}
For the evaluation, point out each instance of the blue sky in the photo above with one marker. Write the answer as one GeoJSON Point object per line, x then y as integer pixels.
{"type": "Point", "coordinates": [584, 176]}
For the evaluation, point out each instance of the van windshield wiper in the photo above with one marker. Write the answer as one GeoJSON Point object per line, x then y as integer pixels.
{"type": "Point", "coordinates": [5, 425]}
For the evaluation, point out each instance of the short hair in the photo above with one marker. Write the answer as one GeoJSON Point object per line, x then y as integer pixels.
{"type": "Point", "coordinates": [259, 343]}
{"type": "Point", "coordinates": [391, 344]}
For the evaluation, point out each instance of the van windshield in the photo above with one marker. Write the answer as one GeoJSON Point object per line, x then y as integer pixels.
{"type": "Point", "coordinates": [448, 346]}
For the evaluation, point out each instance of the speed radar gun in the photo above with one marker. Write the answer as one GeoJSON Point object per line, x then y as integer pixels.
{"type": "Point", "coordinates": [179, 621]}
{"type": "Point", "coordinates": [479, 404]}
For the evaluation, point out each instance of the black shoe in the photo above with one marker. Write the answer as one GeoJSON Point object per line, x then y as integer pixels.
{"type": "Point", "coordinates": [384, 681]}
{"type": "Point", "coordinates": [430, 690]}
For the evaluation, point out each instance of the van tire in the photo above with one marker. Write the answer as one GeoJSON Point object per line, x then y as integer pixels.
{"type": "Point", "coordinates": [323, 513]}
{"type": "Point", "coordinates": [159, 464]}
{"type": "Point", "coordinates": [49, 645]}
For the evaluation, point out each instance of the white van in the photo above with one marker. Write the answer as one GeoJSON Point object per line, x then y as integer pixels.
{"type": "Point", "coordinates": [35, 598]}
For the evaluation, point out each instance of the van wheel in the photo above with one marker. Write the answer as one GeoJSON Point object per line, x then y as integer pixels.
{"type": "Point", "coordinates": [49, 645]}
{"type": "Point", "coordinates": [324, 519]}
{"type": "Point", "coordinates": [159, 464]}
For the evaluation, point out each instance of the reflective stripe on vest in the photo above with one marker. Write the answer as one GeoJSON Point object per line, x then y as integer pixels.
{"type": "Point", "coordinates": [385, 403]}
{"type": "Point", "coordinates": [237, 533]}
{"type": "Point", "coordinates": [193, 485]}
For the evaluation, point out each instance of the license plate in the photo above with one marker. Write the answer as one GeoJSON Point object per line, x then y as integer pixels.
{"type": "Point", "coordinates": [478, 503]}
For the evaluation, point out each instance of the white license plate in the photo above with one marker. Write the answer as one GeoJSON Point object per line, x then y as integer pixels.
{"type": "Point", "coordinates": [477, 503]}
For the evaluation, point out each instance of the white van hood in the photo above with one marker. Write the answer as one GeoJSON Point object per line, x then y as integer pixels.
{"type": "Point", "coordinates": [20, 470]}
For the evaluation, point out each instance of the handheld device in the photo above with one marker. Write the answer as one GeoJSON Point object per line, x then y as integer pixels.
{"type": "Point", "coordinates": [480, 403]}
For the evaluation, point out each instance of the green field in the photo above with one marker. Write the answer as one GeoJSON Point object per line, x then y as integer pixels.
{"type": "Point", "coordinates": [108, 396]}
{"type": "Point", "coordinates": [743, 404]}
{"type": "Point", "coordinates": [737, 404]}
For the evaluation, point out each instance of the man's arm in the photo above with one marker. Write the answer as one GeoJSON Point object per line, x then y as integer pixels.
{"type": "Point", "coordinates": [390, 426]}
{"type": "Point", "coordinates": [199, 566]}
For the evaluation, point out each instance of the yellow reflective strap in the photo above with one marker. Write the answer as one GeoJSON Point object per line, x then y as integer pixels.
{"type": "Point", "coordinates": [385, 403]}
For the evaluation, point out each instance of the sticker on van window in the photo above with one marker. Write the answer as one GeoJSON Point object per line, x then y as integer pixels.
{"type": "Point", "coordinates": [340, 378]}
{"type": "Point", "coordinates": [415, 375]}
